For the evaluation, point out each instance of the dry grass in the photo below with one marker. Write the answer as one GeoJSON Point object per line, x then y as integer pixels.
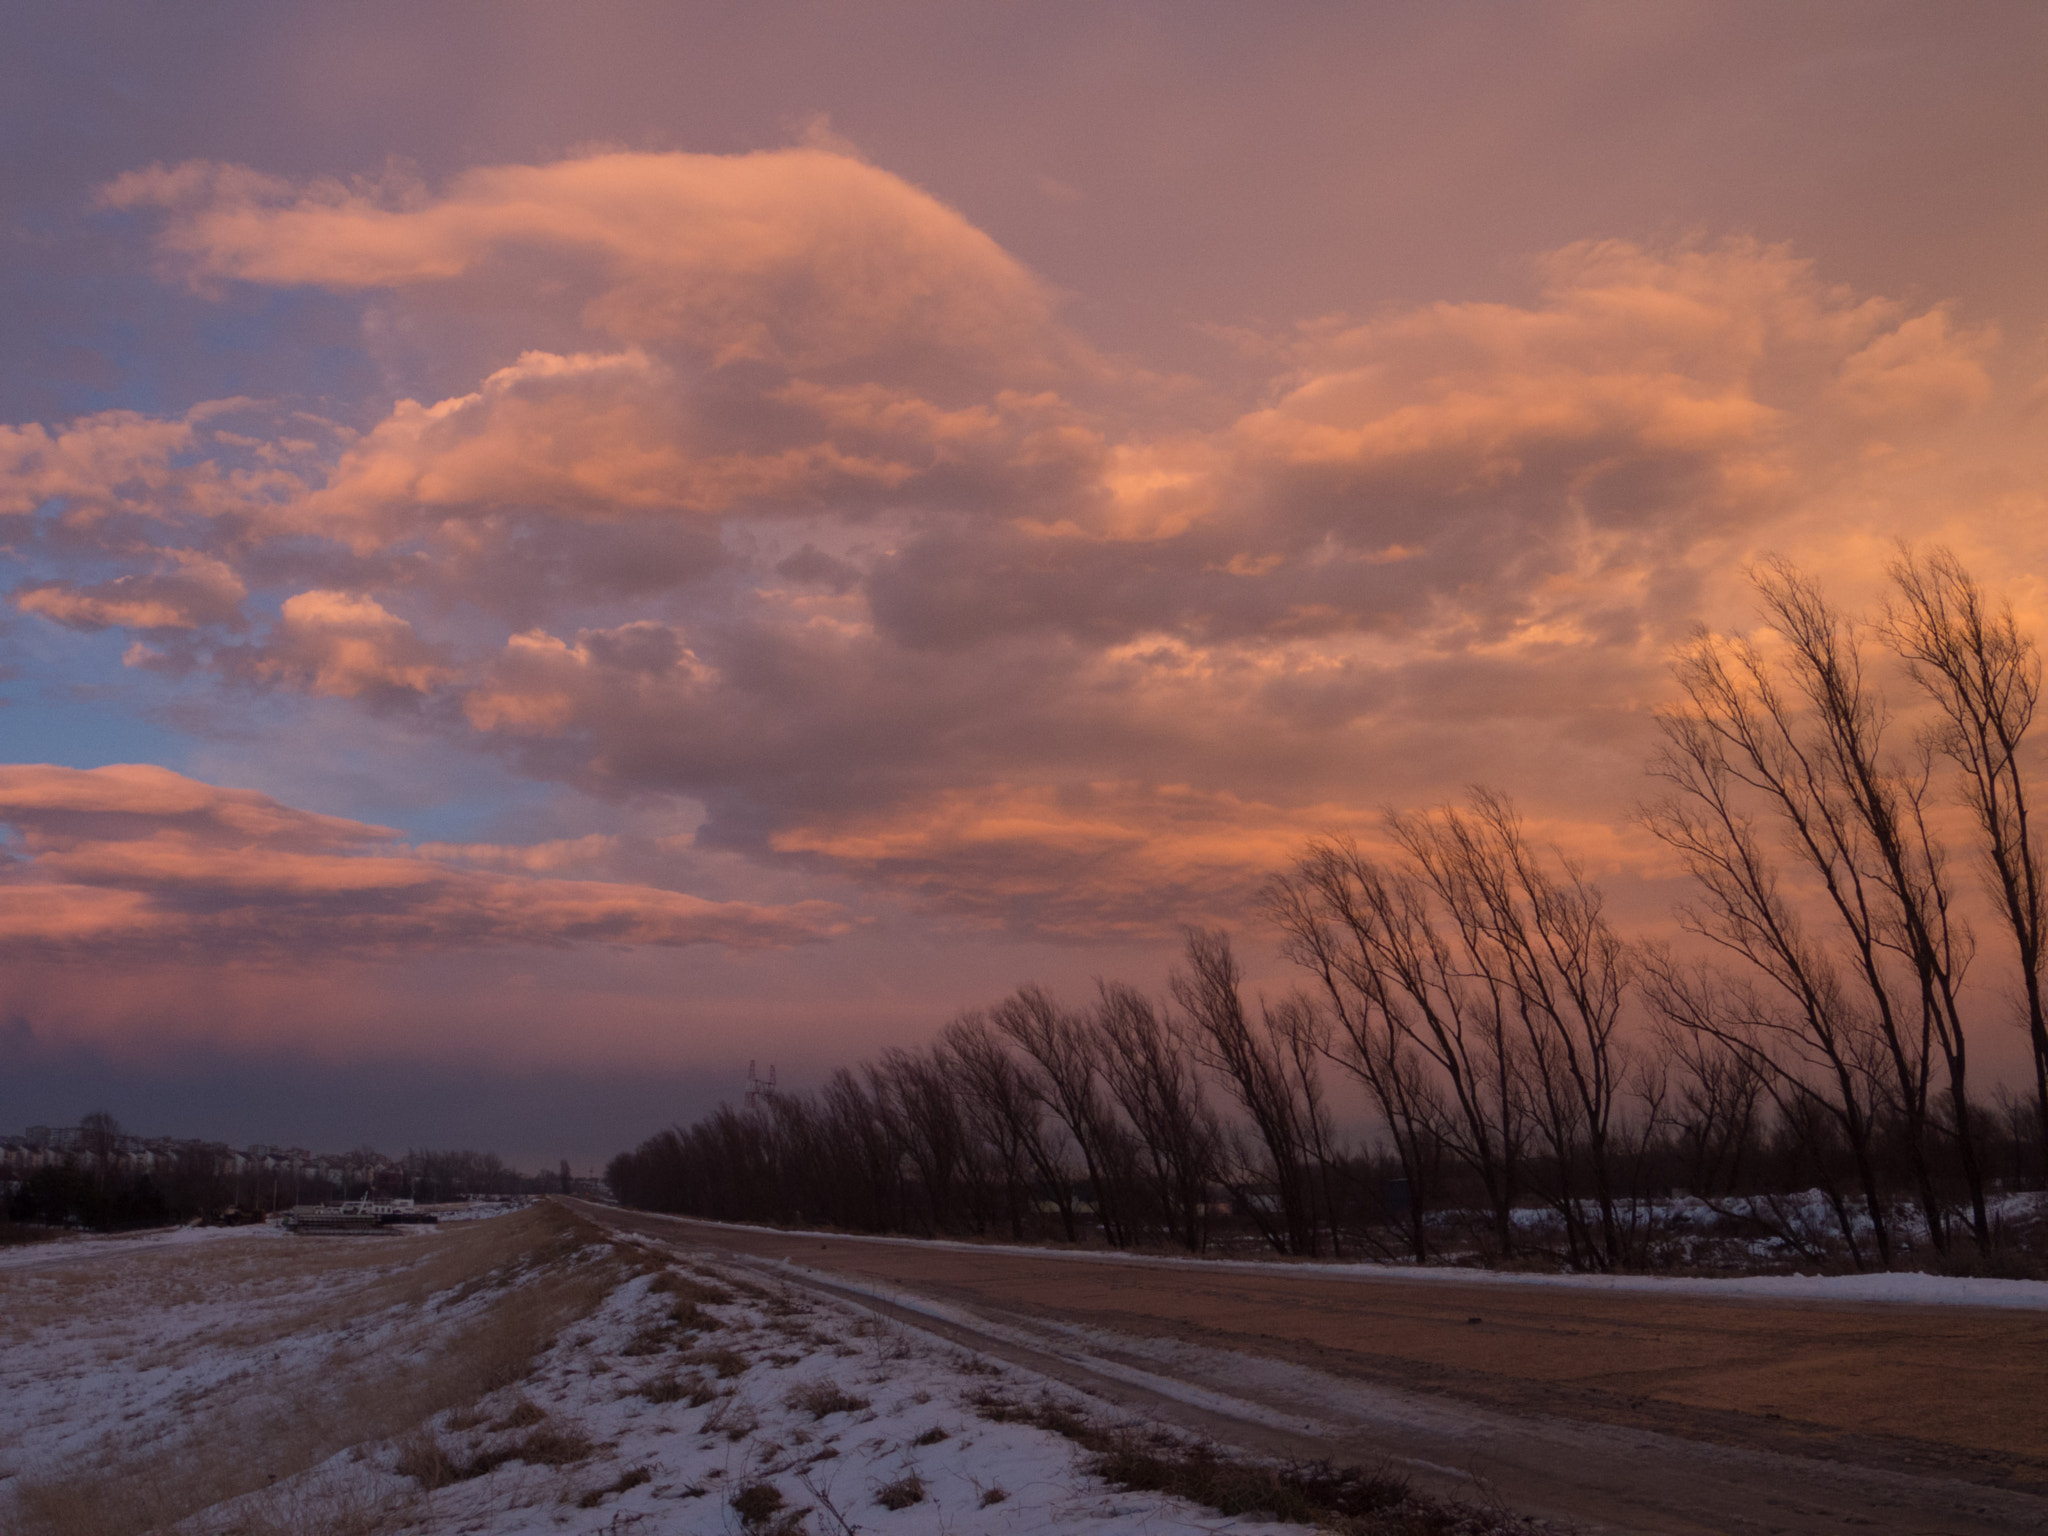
{"type": "Point", "coordinates": [734, 1418]}
{"type": "Point", "coordinates": [756, 1503]}
{"type": "Point", "coordinates": [627, 1480]}
{"type": "Point", "coordinates": [728, 1363]}
{"type": "Point", "coordinates": [522, 1415]}
{"type": "Point", "coordinates": [822, 1398]}
{"type": "Point", "coordinates": [425, 1457]}
{"type": "Point", "coordinates": [1347, 1501]}
{"type": "Point", "coordinates": [902, 1493]}
{"type": "Point", "coordinates": [543, 1269]}
{"type": "Point", "coordinates": [697, 1292]}
{"type": "Point", "coordinates": [672, 1388]}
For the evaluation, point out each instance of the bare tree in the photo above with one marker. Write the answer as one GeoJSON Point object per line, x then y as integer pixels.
{"type": "Point", "coordinates": [1720, 1097]}
{"type": "Point", "coordinates": [1414, 1010]}
{"type": "Point", "coordinates": [1537, 935]}
{"type": "Point", "coordinates": [1918, 924]}
{"type": "Point", "coordinates": [1818, 1065]}
{"type": "Point", "coordinates": [1300, 1026]}
{"type": "Point", "coordinates": [1860, 820]}
{"type": "Point", "coordinates": [1007, 1106]}
{"type": "Point", "coordinates": [1984, 673]}
{"type": "Point", "coordinates": [1725, 749]}
{"type": "Point", "coordinates": [865, 1154]}
{"type": "Point", "coordinates": [1255, 1064]}
{"type": "Point", "coordinates": [1804, 740]}
{"type": "Point", "coordinates": [1149, 1066]}
{"type": "Point", "coordinates": [914, 1091]}
{"type": "Point", "coordinates": [1063, 1046]}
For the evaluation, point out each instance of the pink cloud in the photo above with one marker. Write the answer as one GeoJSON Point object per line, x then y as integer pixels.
{"type": "Point", "coordinates": [135, 862]}
{"type": "Point", "coordinates": [804, 257]}
{"type": "Point", "coordinates": [587, 436]}
{"type": "Point", "coordinates": [346, 646]}
{"type": "Point", "coordinates": [189, 590]}
{"type": "Point", "coordinates": [818, 522]}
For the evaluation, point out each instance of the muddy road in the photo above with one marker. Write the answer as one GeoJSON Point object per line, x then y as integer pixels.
{"type": "Point", "coordinates": [1615, 1411]}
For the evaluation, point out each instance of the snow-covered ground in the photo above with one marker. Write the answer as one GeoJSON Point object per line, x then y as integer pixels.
{"type": "Point", "coordinates": [685, 1387]}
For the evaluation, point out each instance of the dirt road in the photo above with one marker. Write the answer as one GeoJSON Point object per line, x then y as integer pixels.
{"type": "Point", "coordinates": [1617, 1411]}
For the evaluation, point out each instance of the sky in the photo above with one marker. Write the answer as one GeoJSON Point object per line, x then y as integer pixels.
{"type": "Point", "coordinates": [554, 551]}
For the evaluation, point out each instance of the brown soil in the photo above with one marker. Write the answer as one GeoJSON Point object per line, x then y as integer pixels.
{"type": "Point", "coordinates": [1789, 1416]}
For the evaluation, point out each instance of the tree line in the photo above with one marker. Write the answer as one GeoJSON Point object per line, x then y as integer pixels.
{"type": "Point", "coordinates": [1864, 900]}
{"type": "Point", "coordinates": [102, 1185]}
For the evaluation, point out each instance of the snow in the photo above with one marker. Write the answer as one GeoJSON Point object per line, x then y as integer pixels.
{"type": "Point", "coordinates": [110, 1343]}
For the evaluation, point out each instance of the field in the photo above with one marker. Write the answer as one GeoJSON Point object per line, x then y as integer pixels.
{"type": "Point", "coordinates": [548, 1370]}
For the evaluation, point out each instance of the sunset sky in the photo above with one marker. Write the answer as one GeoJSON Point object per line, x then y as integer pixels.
{"type": "Point", "coordinates": [557, 549]}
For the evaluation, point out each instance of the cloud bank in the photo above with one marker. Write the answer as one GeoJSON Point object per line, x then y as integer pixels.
{"type": "Point", "coordinates": [790, 498]}
{"type": "Point", "coordinates": [120, 864]}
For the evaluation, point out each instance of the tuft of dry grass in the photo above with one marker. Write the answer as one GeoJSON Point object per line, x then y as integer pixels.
{"type": "Point", "coordinates": [756, 1503]}
{"type": "Point", "coordinates": [627, 1480]}
{"type": "Point", "coordinates": [672, 1388]}
{"type": "Point", "coordinates": [902, 1493]}
{"type": "Point", "coordinates": [733, 1418]}
{"type": "Point", "coordinates": [822, 1398]}
{"type": "Point", "coordinates": [524, 1414]}
{"type": "Point", "coordinates": [425, 1458]}
{"type": "Point", "coordinates": [551, 1448]}
{"type": "Point", "coordinates": [728, 1363]}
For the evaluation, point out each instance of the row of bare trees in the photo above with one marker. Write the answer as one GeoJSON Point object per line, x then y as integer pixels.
{"type": "Point", "coordinates": [1810, 1030]}
{"type": "Point", "coordinates": [1037, 1118]}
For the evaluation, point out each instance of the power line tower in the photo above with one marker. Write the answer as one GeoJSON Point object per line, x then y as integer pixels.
{"type": "Point", "coordinates": [759, 1088]}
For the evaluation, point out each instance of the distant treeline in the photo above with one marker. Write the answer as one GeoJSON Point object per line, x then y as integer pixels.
{"type": "Point", "coordinates": [105, 1180]}
{"type": "Point", "coordinates": [1814, 1033]}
